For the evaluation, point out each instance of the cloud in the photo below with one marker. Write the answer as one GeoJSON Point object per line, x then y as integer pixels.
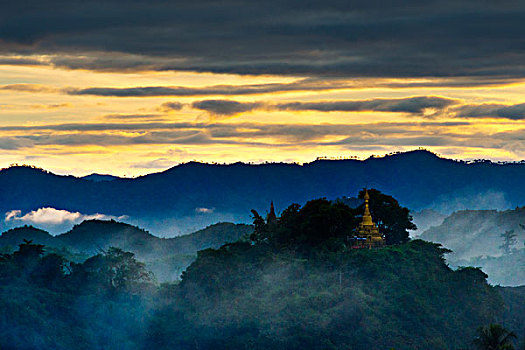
{"type": "Point", "coordinates": [514, 112]}
{"type": "Point", "coordinates": [200, 133]}
{"type": "Point", "coordinates": [308, 84]}
{"type": "Point", "coordinates": [51, 106]}
{"type": "Point", "coordinates": [441, 38]}
{"type": "Point", "coordinates": [246, 134]}
{"type": "Point", "coordinates": [204, 210]}
{"type": "Point", "coordinates": [225, 107]}
{"type": "Point", "coordinates": [413, 105]}
{"type": "Point", "coordinates": [472, 201]}
{"type": "Point", "coordinates": [159, 163]}
{"type": "Point", "coordinates": [276, 136]}
{"type": "Point", "coordinates": [52, 216]}
{"type": "Point", "coordinates": [170, 106]}
{"type": "Point", "coordinates": [32, 88]}
{"type": "Point", "coordinates": [132, 116]}
{"type": "Point", "coordinates": [21, 61]}
{"type": "Point", "coordinates": [227, 90]}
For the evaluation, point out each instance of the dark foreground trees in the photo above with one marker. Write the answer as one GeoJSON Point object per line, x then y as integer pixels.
{"type": "Point", "coordinates": [247, 296]}
{"type": "Point", "coordinates": [494, 337]}
{"type": "Point", "coordinates": [295, 285]}
{"type": "Point", "coordinates": [47, 302]}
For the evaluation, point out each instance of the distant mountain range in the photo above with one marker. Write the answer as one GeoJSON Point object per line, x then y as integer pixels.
{"type": "Point", "coordinates": [166, 257]}
{"type": "Point", "coordinates": [207, 193]}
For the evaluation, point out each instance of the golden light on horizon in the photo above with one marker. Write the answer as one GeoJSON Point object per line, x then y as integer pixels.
{"type": "Point", "coordinates": [45, 121]}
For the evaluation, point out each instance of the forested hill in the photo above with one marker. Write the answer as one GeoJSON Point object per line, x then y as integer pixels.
{"type": "Point", "coordinates": [166, 257]}
{"type": "Point", "coordinates": [93, 236]}
{"type": "Point", "coordinates": [296, 282]}
{"type": "Point", "coordinates": [400, 297]}
{"type": "Point", "coordinates": [418, 179]}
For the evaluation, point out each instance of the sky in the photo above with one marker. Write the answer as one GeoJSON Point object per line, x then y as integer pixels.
{"type": "Point", "coordinates": [133, 87]}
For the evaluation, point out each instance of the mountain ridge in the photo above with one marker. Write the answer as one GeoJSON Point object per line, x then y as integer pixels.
{"type": "Point", "coordinates": [419, 179]}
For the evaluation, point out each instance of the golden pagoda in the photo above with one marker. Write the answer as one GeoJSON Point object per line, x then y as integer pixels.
{"type": "Point", "coordinates": [367, 233]}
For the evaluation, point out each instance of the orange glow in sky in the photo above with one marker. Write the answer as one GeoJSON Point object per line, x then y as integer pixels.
{"type": "Point", "coordinates": [47, 123]}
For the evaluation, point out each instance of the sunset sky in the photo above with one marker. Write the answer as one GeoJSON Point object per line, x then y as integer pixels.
{"type": "Point", "coordinates": [134, 87]}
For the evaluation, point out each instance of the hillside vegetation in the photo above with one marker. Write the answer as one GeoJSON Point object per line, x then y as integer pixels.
{"type": "Point", "coordinates": [402, 297]}
{"type": "Point", "coordinates": [166, 257]}
{"type": "Point", "coordinates": [297, 282]}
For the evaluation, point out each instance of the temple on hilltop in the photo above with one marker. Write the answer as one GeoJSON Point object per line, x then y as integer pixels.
{"type": "Point", "coordinates": [367, 233]}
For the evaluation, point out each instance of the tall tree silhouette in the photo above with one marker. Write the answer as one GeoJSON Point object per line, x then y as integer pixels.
{"type": "Point", "coordinates": [509, 239]}
{"type": "Point", "coordinates": [494, 337]}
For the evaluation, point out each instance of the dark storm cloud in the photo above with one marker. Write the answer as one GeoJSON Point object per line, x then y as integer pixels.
{"type": "Point", "coordinates": [372, 38]}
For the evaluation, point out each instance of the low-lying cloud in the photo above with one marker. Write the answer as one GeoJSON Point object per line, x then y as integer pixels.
{"type": "Point", "coordinates": [204, 210]}
{"type": "Point", "coordinates": [50, 217]}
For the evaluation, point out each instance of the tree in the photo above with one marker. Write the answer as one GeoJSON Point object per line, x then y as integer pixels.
{"type": "Point", "coordinates": [392, 219]}
{"type": "Point", "coordinates": [509, 240]}
{"type": "Point", "coordinates": [322, 220]}
{"type": "Point", "coordinates": [494, 337]}
{"type": "Point", "coordinates": [114, 270]}
{"type": "Point", "coordinates": [260, 232]}
{"type": "Point", "coordinates": [319, 221]}
{"type": "Point", "coordinates": [125, 269]}
{"type": "Point", "coordinates": [50, 270]}
{"type": "Point", "coordinates": [27, 257]}
{"type": "Point", "coordinates": [28, 251]}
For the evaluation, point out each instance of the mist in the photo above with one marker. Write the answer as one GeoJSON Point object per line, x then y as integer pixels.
{"type": "Point", "coordinates": [476, 239]}
{"type": "Point", "coordinates": [167, 227]}
{"type": "Point", "coordinates": [51, 219]}
{"type": "Point", "coordinates": [470, 199]}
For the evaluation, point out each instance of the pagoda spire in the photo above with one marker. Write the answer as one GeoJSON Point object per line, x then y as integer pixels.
{"type": "Point", "coordinates": [367, 233]}
{"type": "Point", "coordinates": [271, 215]}
{"type": "Point", "coordinates": [367, 217]}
